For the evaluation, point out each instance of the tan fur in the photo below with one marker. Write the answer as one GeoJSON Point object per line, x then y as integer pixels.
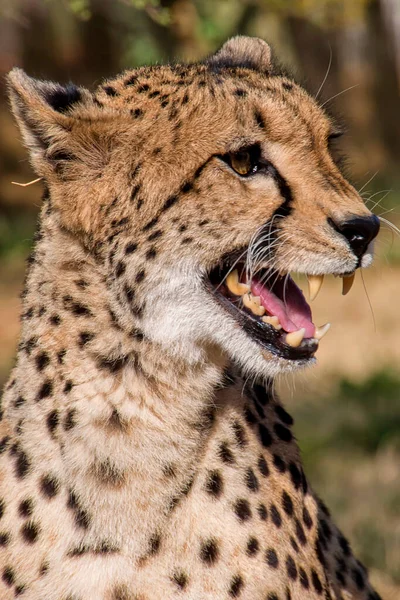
{"type": "Point", "coordinates": [136, 462]}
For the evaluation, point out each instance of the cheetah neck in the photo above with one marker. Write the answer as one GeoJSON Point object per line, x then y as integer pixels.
{"type": "Point", "coordinates": [105, 410]}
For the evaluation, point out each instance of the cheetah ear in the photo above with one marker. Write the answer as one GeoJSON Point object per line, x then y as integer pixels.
{"type": "Point", "coordinates": [242, 51]}
{"type": "Point", "coordinates": [42, 111]}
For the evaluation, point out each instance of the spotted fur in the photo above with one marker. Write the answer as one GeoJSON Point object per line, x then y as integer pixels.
{"type": "Point", "coordinates": [138, 461]}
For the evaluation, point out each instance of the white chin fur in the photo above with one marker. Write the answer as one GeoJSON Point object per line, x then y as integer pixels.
{"type": "Point", "coordinates": [183, 318]}
{"type": "Point", "coordinates": [367, 259]}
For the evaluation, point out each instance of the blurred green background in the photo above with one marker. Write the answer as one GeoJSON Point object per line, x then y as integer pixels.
{"type": "Point", "coordinates": [347, 408]}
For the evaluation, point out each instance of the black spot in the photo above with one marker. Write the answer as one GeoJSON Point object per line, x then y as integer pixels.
{"type": "Point", "coordinates": [143, 88]}
{"type": "Point", "coordinates": [261, 394]}
{"type": "Point", "coordinates": [84, 338]}
{"type": "Point", "coordinates": [153, 236]}
{"type": "Point", "coordinates": [22, 465]}
{"type": "Point", "coordinates": [55, 320]}
{"type": "Point", "coordinates": [110, 91]}
{"type": "Point", "coordinates": [2, 507]}
{"type": "Point", "coordinates": [46, 390]}
{"type": "Point", "coordinates": [341, 578]}
{"type": "Point", "coordinates": [291, 568]}
{"type": "Point", "coordinates": [187, 187]}
{"type": "Point", "coordinates": [154, 544]}
{"type": "Point", "coordinates": [50, 486]}
{"type": "Point", "coordinates": [304, 579]}
{"type": "Point", "coordinates": [130, 248]}
{"type": "Point", "coordinates": [295, 475]}
{"type": "Point", "coordinates": [265, 435]}
{"type": "Point", "coordinates": [287, 86]}
{"type": "Point", "coordinates": [68, 386]}
{"type": "Point", "coordinates": [272, 596]}
{"type": "Point", "coordinates": [275, 516]}
{"type": "Point", "coordinates": [19, 402]}
{"type": "Point", "coordinates": [214, 484]}
{"type": "Point", "coordinates": [8, 576]}
{"type": "Point", "coordinates": [180, 579]}
{"type": "Point", "coordinates": [260, 120]}
{"type": "Point", "coordinates": [151, 254]}
{"type": "Point", "coordinates": [69, 421]}
{"type": "Point", "coordinates": [25, 507]}
{"type": "Point", "coordinates": [262, 512]}
{"type": "Point", "coordinates": [272, 558]}
{"type": "Point", "coordinates": [82, 284]}
{"type": "Point", "coordinates": [252, 547]}
{"type": "Point", "coordinates": [294, 544]}
{"type": "Point", "coordinates": [151, 224]}
{"type": "Point", "coordinates": [344, 544]}
{"type": "Point", "coordinates": [80, 310]}
{"type": "Point", "coordinates": [259, 409]}
{"type": "Point", "coordinates": [137, 113]}
{"type": "Point", "coordinates": [30, 532]}
{"type": "Point", "coordinates": [358, 578]}
{"type": "Point", "coordinates": [225, 453]}
{"type": "Point", "coordinates": [52, 421]}
{"type": "Point", "coordinates": [42, 360]}
{"type": "Point", "coordinates": [301, 536]}
{"type": "Point", "coordinates": [287, 504]}
{"type": "Point", "coordinates": [120, 269]}
{"type": "Point", "coordinates": [4, 539]}
{"type": "Point", "coordinates": [316, 582]}
{"type": "Point", "coordinates": [140, 276]}
{"type": "Point", "coordinates": [263, 466]}
{"type": "Point", "coordinates": [240, 435]}
{"type": "Point", "coordinates": [209, 551]}
{"type": "Point", "coordinates": [187, 240]}
{"type": "Point", "coordinates": [240, 93]}
{"type": "Point", "coordinates": [60, 356]}
{"type": "Point", "coordinates": [283, 432]}
{"type": "Point", "coordinates": [283, 415]}
{"type": "Point", "coordinates": [62, 98]}
{"type": "Point", "coordinates": [236, 586]}
{"type": "Point", "coordinates": [251, 480]}
{"type": "Point", "coordinates": [307, 518]}
{"type": "Point", "coordinates": [3, 443]}
{"type": "Point", "coordinates": [242, 509]}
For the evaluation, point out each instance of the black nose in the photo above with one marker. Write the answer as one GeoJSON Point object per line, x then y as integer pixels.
{"type": "Point", "coordinates": [359, 232]}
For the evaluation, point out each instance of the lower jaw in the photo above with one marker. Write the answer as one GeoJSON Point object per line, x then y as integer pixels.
{"type": "Point", "coordinates": [268, 338]}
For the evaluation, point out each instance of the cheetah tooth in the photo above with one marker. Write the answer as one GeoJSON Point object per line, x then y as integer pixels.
{"type": "Point", "coordinates": [233, 284]}
{"type": "Point", "coordinates": [314, 285]}
{"type": "Point", "coordinates": [321, 331]}
{"type": "Point", "coordinates": [348, 281]}
{"type": "Point", "coordinates": [295, 338]}
{"type": "Point", "coordinates": [253, 303]}
{"type": "Point", "coordinates": [274, 321]}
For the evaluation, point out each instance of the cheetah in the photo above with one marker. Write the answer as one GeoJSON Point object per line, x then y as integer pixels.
{"type": "Point", "coordinates": [145, 453]}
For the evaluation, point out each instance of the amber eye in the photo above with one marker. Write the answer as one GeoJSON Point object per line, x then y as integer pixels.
{"type": "Point", "coordinates": [242, 162]}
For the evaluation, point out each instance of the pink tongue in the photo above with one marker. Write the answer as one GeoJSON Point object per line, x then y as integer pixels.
{"type": "Point", "coordinates": [293, 312]}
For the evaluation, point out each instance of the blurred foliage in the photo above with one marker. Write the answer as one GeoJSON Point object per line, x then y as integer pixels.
{"type": "Point", "coordinates": [350, 443]}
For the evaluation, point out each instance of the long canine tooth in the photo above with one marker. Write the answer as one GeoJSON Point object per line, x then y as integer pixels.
{"type": "Point", "coordinates": [314, 285]}
{"type": "Point", "coordinates": [347, 283]}
{"type": "Point", "coordinates": [274, 321]}
{"type": "Point", "coordinates": [295, 338]}
{"type": "Point", "coordinates": [321, 331]}
{"type": "Point", "coordinates": [252, 303]}
{"type": "Point", "coordinates": [233, 284]}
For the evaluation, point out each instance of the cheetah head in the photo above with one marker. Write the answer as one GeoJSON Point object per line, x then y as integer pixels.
{"type": "Point", "coordinates": [199, 189]}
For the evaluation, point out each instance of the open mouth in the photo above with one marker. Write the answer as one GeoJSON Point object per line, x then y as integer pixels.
{"type": "Point", "coordinates": [270, 307]}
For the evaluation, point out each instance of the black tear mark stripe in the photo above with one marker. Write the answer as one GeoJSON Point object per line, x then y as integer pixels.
{"type": "Point", "coordinates": [174, 198]}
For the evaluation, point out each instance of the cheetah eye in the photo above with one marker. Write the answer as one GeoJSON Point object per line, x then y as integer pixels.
{"type": "Point", "coordinates": [245, 161]}
{"type": "Point", "coordinates": [241, 163]}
